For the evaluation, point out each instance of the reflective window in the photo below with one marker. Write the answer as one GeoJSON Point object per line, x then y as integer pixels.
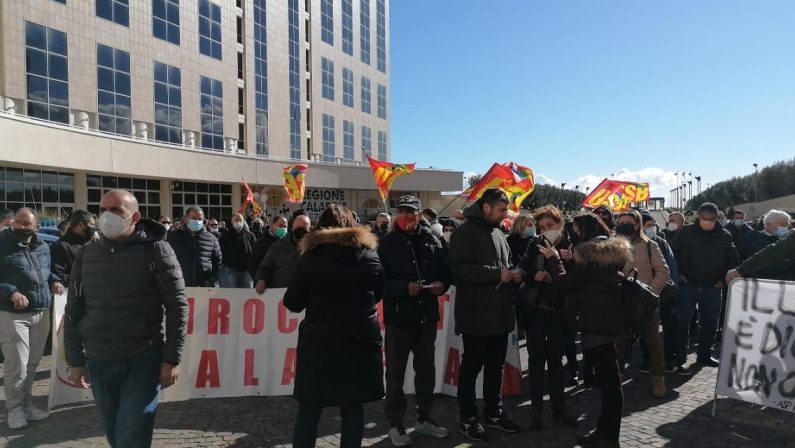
{"type": "Point", "coordinates": [293, 32]}
{"type": "Point", "coordinates": [347, 87]}
{"type": "Point", "coordinates": [210, 29]}
{"type": "Point", "coordinates": [381, 101]}
{"type": "Point", "coordinates": [364, 30]}
{"type": "Point", "coordinates": [212, 114]}
{"type": "Point", "coordinates": [113, 90]}
{"type": "Point", "coordinates": [214, 199]}
{"type": "Point", "coordinates": [168, 103]}
{"type": "Point", "coordinates": [366, 99]}
{"type": "Point", "coordinates": [367, 140]}
{"type": "Point", "coordinates": [51, 193]}
{"type": "Point", "coordinates": [165, 20]}
{"type": "Point", "coordinates": [327, 21]}
{"type": "Point", "coordinates": [347, 27]}
{"type": "Point", "coordinates": [114, 10]}
{"type": "Point", "coordinates": [146, 191]}
{"type": "Point", "coordinates": [47, 69]}
{"type": "Point", "coordinates": [348, 141]}
{"type": "Point", "coordinates": [382, 145]}
{"type": "Point", "coordinates": [261, 77]}
{"type": "Point", "coordinates": [380, 27]}
{"type": "Point", "coordinates": [329, 151]}
{"type": "Point", "coordinates": [328, 78]}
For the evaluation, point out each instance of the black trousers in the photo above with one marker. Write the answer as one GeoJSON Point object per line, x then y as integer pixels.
{"type": "Point", "coordinates": [603, 358]}
{"type": "Point", "coordinates": [399, 342]}
{"type": "Point", "coordinates": [485, 353]}
{"type": "Point", "coordinates": [305, 432]}
{"type": "Point", "coordinates": [545, 340]}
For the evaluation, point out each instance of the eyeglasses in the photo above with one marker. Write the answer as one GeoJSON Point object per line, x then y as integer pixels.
{"type": "Point", "coordinates": [213, 225]}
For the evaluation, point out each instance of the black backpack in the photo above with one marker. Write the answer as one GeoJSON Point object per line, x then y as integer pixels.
{"type": "Point", "coordinates": [640, 303]}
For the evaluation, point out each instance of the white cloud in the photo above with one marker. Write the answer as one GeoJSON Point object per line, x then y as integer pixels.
{"type": "Point", "coordinates": [543, 179]}
{"type": "Point", "coordinates": [660, 181]}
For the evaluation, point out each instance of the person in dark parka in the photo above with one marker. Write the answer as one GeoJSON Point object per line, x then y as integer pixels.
{"type": "Point", "coordinates": [82, 230]}
{"type": "Point", "coordinates": [198, 250]}
{"type": "Point", "coordinates": [337, 282]}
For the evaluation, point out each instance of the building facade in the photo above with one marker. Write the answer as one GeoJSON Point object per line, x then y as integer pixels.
{"type": "Point", "coordinates": [180, 100]}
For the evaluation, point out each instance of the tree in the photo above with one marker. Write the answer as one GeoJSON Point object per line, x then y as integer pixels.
{"type": "Point", "coordinates": [474, 179]}
{"type": "Point", "coordinates": [771, 182]}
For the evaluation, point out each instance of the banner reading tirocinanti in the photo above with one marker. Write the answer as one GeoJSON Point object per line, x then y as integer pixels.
{"type": "Point", "coordinates": [757, 362]}
{"type": "Point", "coordinates": [241, 344]}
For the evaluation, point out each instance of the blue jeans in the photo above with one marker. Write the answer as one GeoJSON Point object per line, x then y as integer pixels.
{"type": "Point", "coordinates": [127, 394]}
{"type": "Point", "coordinates": [709, 303]}
{"type": "Point", "coordinates": [231, 278]}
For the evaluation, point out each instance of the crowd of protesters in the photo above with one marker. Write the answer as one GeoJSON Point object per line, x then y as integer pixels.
{"type": "Point", "coordinates": [556, 277]}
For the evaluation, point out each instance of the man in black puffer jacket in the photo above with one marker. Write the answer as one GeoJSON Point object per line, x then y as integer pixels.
{"type": "Point", "coordinates": [82, 229]}
{"type": "Point", "coordinates": [120, 289]}
{"type": "Point", "coordinates": [198, 250]}
{"type": "Point", "coordinates": [415, 274]}
{"type": "Point", "coordinates": [704, 253]}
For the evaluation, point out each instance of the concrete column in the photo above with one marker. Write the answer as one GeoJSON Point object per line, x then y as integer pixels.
{"type": "Point", "coordinates": [81, 192]}
{"type": "Point", "coordinates": [165, 198]}
{"type": "Point", "coordinates": [236, 194]}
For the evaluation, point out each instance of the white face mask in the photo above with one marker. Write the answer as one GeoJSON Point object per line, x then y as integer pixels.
{"type": "Point", "coordinates": [446, 236]}
{"type": "Point", "coordinates": [237, 225]}
{"type": "Point", "coordinates": [673, 227]}
{"type": "Point", "coordinates": [552, 235]}
{"type": "Point", "coordinates": [112, 225]}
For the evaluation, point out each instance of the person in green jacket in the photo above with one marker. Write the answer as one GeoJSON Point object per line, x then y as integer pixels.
{"type": "Point", "coordinates": [480, 261]}
{"type": "Point", "coordinates": [773, 254]}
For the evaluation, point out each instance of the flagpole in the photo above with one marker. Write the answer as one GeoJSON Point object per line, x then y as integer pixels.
{"type": "Point", "coordinates": [448, 205]}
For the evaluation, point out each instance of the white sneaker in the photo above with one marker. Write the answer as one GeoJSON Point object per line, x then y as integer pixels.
{"type": "Point", "coordinates": [431, 429]}
{"type": "Point", "coordinates": [33, 413]}
{"type": "Point", "coordinates": [398, 436]}
{"type": "Point", "coordinates": [17, 419]}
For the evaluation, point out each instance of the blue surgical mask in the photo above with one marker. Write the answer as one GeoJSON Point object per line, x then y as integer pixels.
{"type": "Point", "coordinates": [781, 232]}
{"type": "Point", "coordinates": [651, 232]}
{"type": "Point", "coordinates": [530, 231]}
{"type": "Point", "coordinates": [195, 225]}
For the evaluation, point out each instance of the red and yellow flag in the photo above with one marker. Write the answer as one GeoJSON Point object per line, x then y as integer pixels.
{"type": "Point", "coordinates": [385, 173]}
{"type": "Point", "coordinates": [517, 181]}
{"type": "Point", "coordinates": [256, 209]}
{"type": "Point", "coordinates": [294, 187]}
{"type": "Point", "coordinates": [619, 195]}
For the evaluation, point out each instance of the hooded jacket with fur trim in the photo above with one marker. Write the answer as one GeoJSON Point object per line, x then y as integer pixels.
{"type": "Point", "coordinates": [338, 282]}
{"type": "Point", "coordinates": [592, 283]}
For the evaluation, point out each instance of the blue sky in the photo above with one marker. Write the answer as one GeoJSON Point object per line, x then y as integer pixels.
{"type": "Point", "coordinates": [577, 90]}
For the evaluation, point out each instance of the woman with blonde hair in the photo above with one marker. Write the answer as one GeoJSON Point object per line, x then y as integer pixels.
{"type": "Point", "coordinates": [522, 231]}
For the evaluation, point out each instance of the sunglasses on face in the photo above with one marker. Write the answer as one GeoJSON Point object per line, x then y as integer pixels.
{"type": "Point", "coordinates": [165, 222]}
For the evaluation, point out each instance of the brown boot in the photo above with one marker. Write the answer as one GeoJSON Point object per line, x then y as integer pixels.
{"type": "Point", "coordinates": [658, 389]}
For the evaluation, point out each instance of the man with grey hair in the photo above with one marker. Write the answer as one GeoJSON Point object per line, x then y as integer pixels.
{"type": "Point", "coordinates": [198, 250]}
{"type": "Point", "coordinates": [25, 286]}
{"type": "Point", "coordinates": [776, 228]}
{"type": "Point", "coordinates": [120, 290]}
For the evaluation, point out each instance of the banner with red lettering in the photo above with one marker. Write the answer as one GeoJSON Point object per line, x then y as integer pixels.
{"type": "Point", "coordinates": [242, 344]}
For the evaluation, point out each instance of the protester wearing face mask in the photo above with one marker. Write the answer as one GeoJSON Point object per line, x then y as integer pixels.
{"type": "Point", "coordinates": [82, 230]}
{"type": "Point", "coordinates": [270, 236]}
{"type": "Point", "coordinates": [704, 253]}
{"type": "Point", "coordinates": [676, 221]}
{"type": "Point", "coordinates": [781, 252]}
{"type": "Point", "coordinates": [458, 217]}
{"type": "Point", "coordinates": [276, 269]}
{"type": "Point", "coordinates": [382, 223]}
{"type": "Point", "coordinates": [258, 227]}
{"type": "Point", "coordinates": [653, 271]}
{"type": "Point", "coordinates": [415, 273]}
{"type": "Point", "coordinates": [522, 231]}
{"type": "Point", "coordinates": [776, 224]}
{"type": "Point", "coordinates": [25, 286]}
{"type": "Point", "coordinates": [739, 229]}
{"type": "Point", "coordinates": [214, 227]}
{"type": "Point", "coordinates": [6, 219]}
{"type": "Point", "coordinates": [165, 221]}
{"type": "Point", "coordinates": [540, 312]}
{"type": "Point", "coordinates": [121, 289]}
{"type": "Point", "coordinates": [236, 248]}
{"type": "Point", "coordinates": [197, 250]}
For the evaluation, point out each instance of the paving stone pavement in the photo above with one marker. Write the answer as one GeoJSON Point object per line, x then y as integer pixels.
{"type": "Point", "coordinates": [680, 420]}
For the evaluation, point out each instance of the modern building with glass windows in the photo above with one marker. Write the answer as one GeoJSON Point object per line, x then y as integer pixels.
{"type": "Point", "coordinates": [179, 100]}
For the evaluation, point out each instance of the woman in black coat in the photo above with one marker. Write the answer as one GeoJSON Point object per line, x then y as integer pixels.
{"type": "Point", "coordinates": [338, 281]}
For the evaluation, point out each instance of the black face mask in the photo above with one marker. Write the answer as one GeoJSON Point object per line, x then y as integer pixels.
{"type": "Point", "coordinates": [299, 233]}
{"type": "Point", "coordinates": [384, 228]}
{"type": "Point", "coordinates": [628, 230]}
{"type": "Point", "coordinates": [90, 232]}
{"type": "Point", "coordinates": [23, 235]}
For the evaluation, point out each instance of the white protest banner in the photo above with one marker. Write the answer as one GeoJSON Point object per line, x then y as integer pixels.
{"type": "Point", "coordinates": [242, 344]}
{"type": "Point", "coordinates": [757, 362]}
{"type": "Point", "coordinates": [61, 390]}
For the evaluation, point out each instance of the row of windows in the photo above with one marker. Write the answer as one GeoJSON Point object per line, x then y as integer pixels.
{"type": "Point", "coordinates": [327, 91]}
{"type": "Point", "coordinates": [293, 33]}
{"type": "Point", "coordinates": [260, 78]}
{"type": "Point", "coordinates": [348, 139]}
{"type": "Point", "coordinates": [47, 73]}
{"type": "Point", "coordinates": [327, 28]}
{"type": "Point", "coordinates": [380, 42]}
{"type": "Point", "coordinates": [33, 188]}
{"type": "Point", "coordinates": [114, 103]}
